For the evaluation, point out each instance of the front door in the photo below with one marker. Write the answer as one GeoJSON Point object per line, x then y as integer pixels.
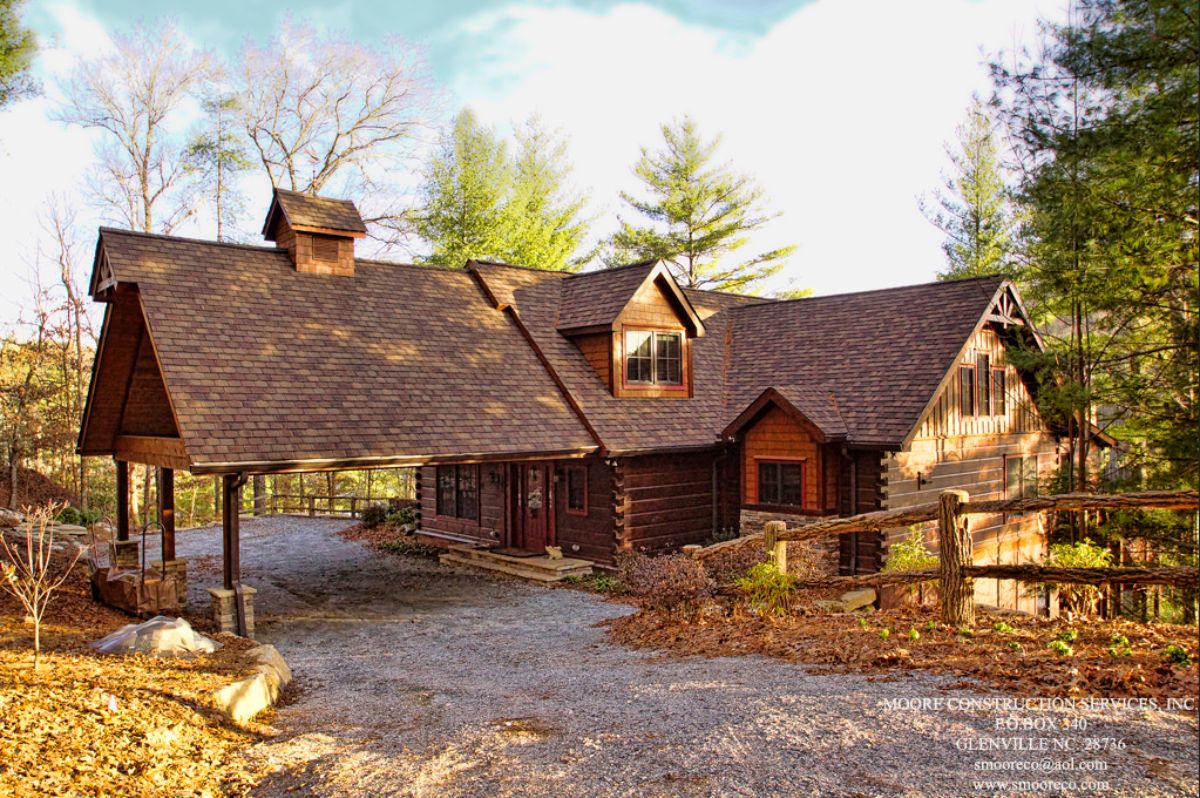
{"type": "Point", "coordinates": [534, 506]}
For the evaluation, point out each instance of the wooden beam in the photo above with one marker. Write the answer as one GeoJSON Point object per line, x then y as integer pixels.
{"type": "Point", "coordinates": [161, 452]}
{"type": "Point", "coordinates": [166, 511]}
{"type": "Point", "coordinates": [122, 500]}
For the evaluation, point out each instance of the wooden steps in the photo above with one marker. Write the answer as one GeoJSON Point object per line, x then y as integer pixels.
{"type": "Point", "coordinates": [538, 569]}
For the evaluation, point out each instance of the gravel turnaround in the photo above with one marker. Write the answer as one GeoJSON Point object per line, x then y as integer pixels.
{"type": "Point", "coordinates": [418, 679]}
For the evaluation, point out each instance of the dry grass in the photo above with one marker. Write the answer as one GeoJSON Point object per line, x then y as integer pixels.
{"type": "Point", "coordinates": [89, 724]}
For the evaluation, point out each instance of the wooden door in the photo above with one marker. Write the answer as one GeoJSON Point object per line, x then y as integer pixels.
{"type": "Point", "coordinates": [534, 507]}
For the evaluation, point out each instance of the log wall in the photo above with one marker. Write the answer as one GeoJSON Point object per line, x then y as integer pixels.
{"type": "Point", "coordinates": [491, 526]}
{"type": "Point", "coordinates": [589, 536]}
{"type": "Point", "coordinates": [663, 502]}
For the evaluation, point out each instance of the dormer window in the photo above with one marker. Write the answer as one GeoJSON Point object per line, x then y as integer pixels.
{"type": "Point", "coordinates": [653, 358]}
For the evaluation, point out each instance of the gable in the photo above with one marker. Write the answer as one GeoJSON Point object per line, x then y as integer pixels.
{"type": "Point", "coordinates": [651, 307]}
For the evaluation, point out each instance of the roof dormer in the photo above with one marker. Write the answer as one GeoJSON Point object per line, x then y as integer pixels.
{"type": "Point", "coordinates": [318, 232]}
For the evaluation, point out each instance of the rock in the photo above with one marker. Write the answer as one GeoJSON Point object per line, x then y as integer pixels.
{"type": "Point", "coordinates": [243, 699]}
{"type": "Point", "coordinates": [70, 531]}
{"type": "Point", "coordinates": [830, 605]}
{"type": "Point", "coordinates": [10, 519]}
{"type": "Point", "coordinates": [855, 599]}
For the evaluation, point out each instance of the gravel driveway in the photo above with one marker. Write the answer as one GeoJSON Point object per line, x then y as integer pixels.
{"type": "Point", "coordinates": [424, 680]}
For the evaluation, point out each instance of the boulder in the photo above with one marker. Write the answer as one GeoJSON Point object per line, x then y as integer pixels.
{"type": "Point", "coordinates": [69, 531]}
{"type": "Point", "coordinates": [10, 519]}
{"type": "Point", "coordinates": [241, 700]}
{"type": "Point", "coordinates": [856, 599]}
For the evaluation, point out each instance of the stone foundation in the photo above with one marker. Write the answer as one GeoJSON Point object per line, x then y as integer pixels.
{"type": "Point", "coordinates": [125, 554]}
{"type": "Point", "coordinates": [224, 611]}
{"type": "Point", "coordinates": [825, 550]}
{"type": "Point", "coordinates": [175, 571]}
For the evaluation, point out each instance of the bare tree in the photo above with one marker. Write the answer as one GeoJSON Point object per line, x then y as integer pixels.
{"type": "Point", "coordinates": [133, 93]}
{"type": "Point", "coordinates": [29, 573]}
{"type": "Point", "coordinates": [315, 107]}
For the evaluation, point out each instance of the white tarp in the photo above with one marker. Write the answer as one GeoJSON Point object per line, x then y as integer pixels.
{"type": "Point", "coordinates": [160, 636]}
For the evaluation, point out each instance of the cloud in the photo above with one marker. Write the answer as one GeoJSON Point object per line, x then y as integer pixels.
{"type": "Point", "coordinates": [839, 111]}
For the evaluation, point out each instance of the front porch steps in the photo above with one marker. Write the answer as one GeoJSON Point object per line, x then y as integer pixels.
{"type": "Point", "coordinates": [539, 569]}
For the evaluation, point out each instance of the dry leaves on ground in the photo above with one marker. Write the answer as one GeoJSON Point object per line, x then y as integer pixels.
{"type": "Point", "coordinates": [1013, 656]}
{"type": "Point", "coordinates": [89, 724]}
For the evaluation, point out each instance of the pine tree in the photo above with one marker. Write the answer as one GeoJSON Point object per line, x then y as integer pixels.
{"type": "Point", "coordinates": [971, 206]}
{"type": "Point", "coordinates": [699, 215]}
{"type": "Point", "coordinates": [216, 156]}
{"type": "Point", "coordinates": [465, 191]}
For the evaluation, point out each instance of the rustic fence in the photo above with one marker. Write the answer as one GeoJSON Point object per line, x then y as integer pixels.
{"type": "Point", "coordinates": [956, 571]}
{"type": "Point", "coordinates": [343, 505]}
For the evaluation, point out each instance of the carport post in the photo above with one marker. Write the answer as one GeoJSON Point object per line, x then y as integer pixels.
{"type": "Point", "coordinates": [231, 545]}
{"type": "Point", "coordinates": [166, 511]}
{"type": "Point", "coordinates": [122, 500]}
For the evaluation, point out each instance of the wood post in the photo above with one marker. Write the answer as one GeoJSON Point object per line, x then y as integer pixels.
{"type": "Point", "coordinates": [776, 548]}
{"type": "Point", "coordinates": [166, 511]}
{"type": "Point", "coordinates": [954, 542]}
{"type": "Point", "coordinates": [122, 500]}
{"type": "Point", "coordinates": [230, 537]}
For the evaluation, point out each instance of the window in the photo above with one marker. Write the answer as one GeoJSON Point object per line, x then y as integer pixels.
{"type": "Point", "coordinates": [984, 372]}
{"type": "Point", "coordinates": [653, 358]}
{"type": "Point", "coordinates": [781, 483]}
{"type": "Point", "coordinates": [1021, 477]}
{"type": "Point", "coordinates": [458, 491]}
{"type": "Point", "coordinates": [999, 402]}
{"type": "Point", "coordinates": [577, 498]}
{"type": "Point", "coordinates": [966, 385]}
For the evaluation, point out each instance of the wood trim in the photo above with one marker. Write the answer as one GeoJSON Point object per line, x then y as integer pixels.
{"type": "Point", "coordinates": [326, 231]}
{"type": "Point", "coordinates": [91, 394]}
{"type": "Point", "coordinates": [336, 464]}
{"type": "Point", "coordinates": [151, 450]}
{"type": "Point", "coordinates": [803, 461]}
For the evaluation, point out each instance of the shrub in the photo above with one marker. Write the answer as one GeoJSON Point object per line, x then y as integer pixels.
{"type": "Point", "coordinates": [374, 515]}
{"type": "Point", "coordinates": [913, 634]}
{"type": "Point", "coordinates": [606, 583]}
{"type": "Point", "coordinates": [1083, 554]}
{"type": "Point", "coordinates": [1177, 654]}
{"type": "Point", "coordinates": [726, 567]}
{"type": "Point", "coordinates": [1013, 645]}
{"type": "Point", "coordinates": [405, 516]}
{"type": "Point", "coordinates": [885, 633]}
{"type": "Point", "coordinates": [1061, 648]}
{"type": "Point", "coordinates": [1000, 627]}
{"type": "Point", "coordinates": [667, 582]}
{"type": "Point", "coordinates": [863, 623]}
{"type": "Point", "coordinates": [76, 517]}
{"type": "Point", "coordinates": [410, 547]}
{"type": "Point", "coordinates": [910, 554]}
{"type": "Point", "coordinates": [768, 590]}
{"type": "Point", "coordinates": [1068, 635]}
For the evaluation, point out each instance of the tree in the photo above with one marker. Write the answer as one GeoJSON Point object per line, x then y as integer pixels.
{"type": "Point", "coordinates": [1105, 124]}
{"type": "Point", "coordinates": [133, 94]}
{"type": "Point", "coordinates": [971, 205]}
{"type": "Point", "coordinates": [699, 215]}
{"type": "Point", "coordinates": [545, 218]}
{"type": "Point", "coordinates": [17, 46]}
{"type": "Point", "coordinates": [318, 107]}
{"type": "Point", "coordinates": [464, 195]}
{"type": "Point", "coordinates": [216, 156]}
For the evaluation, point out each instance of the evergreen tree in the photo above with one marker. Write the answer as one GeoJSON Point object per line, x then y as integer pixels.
{"type": "Point", "coordinates": [971, 207]}
{"type": "Point", "coordinates": [477, 201]}
{"type": "Point", "coordinates": [463, 199]}
{"type": "Point", "coordinates": [1105, 121]}
{"type": "Point", "coordinates": [546, 227]}
{"type": "Point", "coordinates": [17, 46]}
{"type": "Point", "coordinates": [216, 155]}
{"type": "Point", "coordinates": [699, 215]}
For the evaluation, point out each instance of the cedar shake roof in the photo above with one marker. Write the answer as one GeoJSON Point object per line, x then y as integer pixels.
{"type": "Point", "coordinates": [267, 364]}
{"type": "Point", "coordinates": [881, 354]}
{"type": "Point", "coordinates": [308, 211]}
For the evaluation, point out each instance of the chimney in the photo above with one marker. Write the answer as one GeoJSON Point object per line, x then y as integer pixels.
{"type": "Point", "coordinates": [318, 232]}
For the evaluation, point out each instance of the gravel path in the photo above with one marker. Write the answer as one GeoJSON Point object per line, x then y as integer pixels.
{"type": "Point", "coordinates": [423, 680]}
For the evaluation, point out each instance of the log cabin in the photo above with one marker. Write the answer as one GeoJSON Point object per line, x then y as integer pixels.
{"type": "Point", "coordinates": [598, 412]}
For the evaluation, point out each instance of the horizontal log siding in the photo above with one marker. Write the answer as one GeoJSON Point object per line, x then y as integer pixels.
{"type": "Point", "coordinates": [666, 501]}
{"type": "Point", "coordinates": [777, 436]}
{"type": "Point", "coordinates": [491, 525]}
{"type": "Point", "coordinates": [588, 536]}
{"type": "Point", "coordinates": [861, 553]}
{"type": "Point", "coordinates": [951, 451]}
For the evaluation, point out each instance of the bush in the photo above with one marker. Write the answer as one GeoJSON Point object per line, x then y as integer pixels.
{"type": "Point", "coordinates": [910, 554]}
{"type": "Point", "coordinates": [1061, 648]}
{"type": "Point", "coordinates": [667, 582]}
{"type": "Point", "coordinates": [405, 516]}
{"type": "Point", "coordinates": [1177, 655]}
{"type": "Point", "coordinates": [768, 590]}
{"type": "Point", "coordinates": [726, 567]}
{"type": "Point", "coordinates": [411, 548]}
{"type": "Point", "coordinates": [76, 517]}
{"type": "Point", "coordinates": [374, 515]}
{"type": "Point", "coordinates": [1083, 554]}
{"type": "Point", "coordinates": [606, 583]}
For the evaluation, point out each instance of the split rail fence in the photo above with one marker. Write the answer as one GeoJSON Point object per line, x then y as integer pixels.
{"type": "Point", "coordinates": [956, 571]}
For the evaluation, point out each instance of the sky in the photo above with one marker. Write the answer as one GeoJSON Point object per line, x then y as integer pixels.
{"type": "Point", "coordinates": [839, 109]}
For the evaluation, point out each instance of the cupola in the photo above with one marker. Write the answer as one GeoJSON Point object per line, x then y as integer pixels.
{"type": "Point", "coordinates": [318, 232]}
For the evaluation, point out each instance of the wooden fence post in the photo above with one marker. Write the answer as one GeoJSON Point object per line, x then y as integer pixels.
{"type": "Point", "coordinates": [954, 544]}
{"type": "Point", "coordinates": [776, 548]}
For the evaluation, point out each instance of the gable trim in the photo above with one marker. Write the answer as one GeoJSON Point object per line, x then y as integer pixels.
{"type": "Point", "coordinates": [772, 397]}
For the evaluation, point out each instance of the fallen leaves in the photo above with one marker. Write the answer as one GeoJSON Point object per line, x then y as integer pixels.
{"type": "Point", "coordinates": [840, 643]}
